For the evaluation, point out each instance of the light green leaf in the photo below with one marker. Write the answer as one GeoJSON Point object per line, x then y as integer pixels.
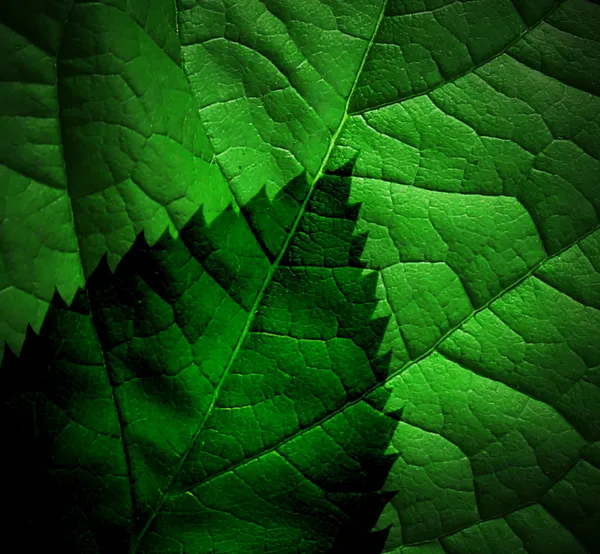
{"type": "Point", "coordinates": [481, 207]}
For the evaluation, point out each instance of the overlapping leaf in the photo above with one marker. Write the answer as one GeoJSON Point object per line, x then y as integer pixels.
{"type": "Point", "coordinates": [167, 419]}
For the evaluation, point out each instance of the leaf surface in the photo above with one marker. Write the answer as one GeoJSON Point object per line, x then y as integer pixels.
{"type": "Point", "coordinates": [384, 315]}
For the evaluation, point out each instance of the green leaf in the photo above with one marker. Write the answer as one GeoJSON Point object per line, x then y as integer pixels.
{"type": "Point", "coordinates": [372, 326]}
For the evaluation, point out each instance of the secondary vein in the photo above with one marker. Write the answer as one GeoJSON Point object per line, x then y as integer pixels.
{"type": "Point", "coordinates": [468, 72]}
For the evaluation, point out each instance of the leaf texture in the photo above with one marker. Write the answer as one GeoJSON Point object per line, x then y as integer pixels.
{"type": "Point", "coordinates": [379, 332]}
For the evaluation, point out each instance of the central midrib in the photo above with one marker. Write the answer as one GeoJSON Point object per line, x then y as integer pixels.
{"type": "Point", "coordinates": [258, 300]}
